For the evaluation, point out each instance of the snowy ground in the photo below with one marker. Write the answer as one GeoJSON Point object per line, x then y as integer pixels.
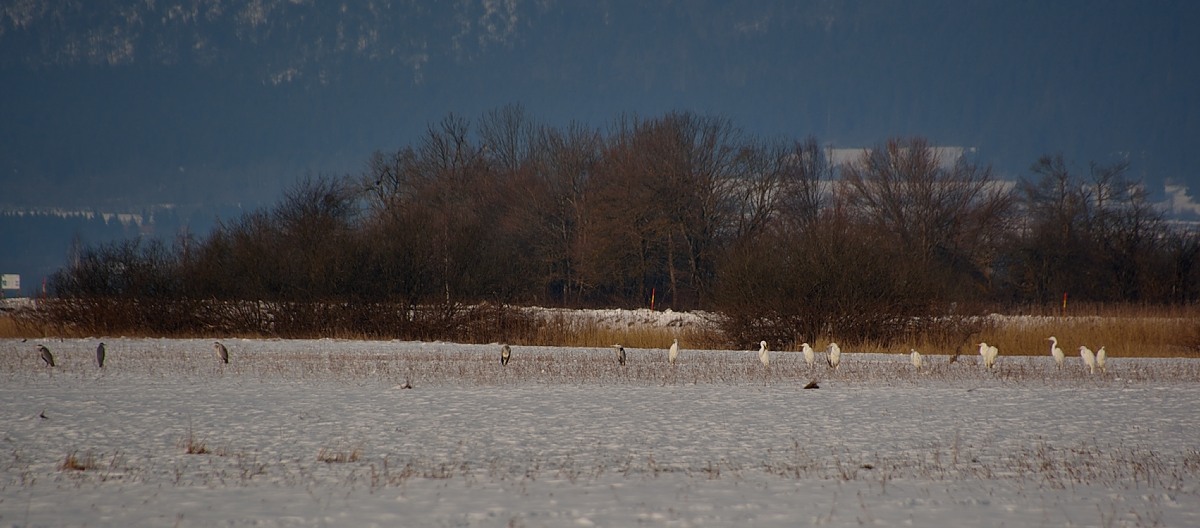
{"type": "Point", "coordinates": [322, 433]}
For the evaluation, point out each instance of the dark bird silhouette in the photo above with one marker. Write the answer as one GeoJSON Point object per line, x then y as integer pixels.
{"type": "Point", "coordinates": [43, 416]}
{"type": "Point", "coordinates": [222, 352]}
{"type": "Point", "coordinates": [620, 354]}
{"type": "Point", "coordinates": [46, 355]}
{"type": "Point", "coordinates": [100, 355]}
{"type": "Point", "coordinates": [505, 353]}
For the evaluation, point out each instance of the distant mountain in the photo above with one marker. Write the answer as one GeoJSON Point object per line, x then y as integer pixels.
{"type": "Point", "coordinates": [133, 102]}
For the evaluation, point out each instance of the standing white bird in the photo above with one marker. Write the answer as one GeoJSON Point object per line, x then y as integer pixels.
{"type": "Point", "coordinates": [222, 352]}
{"type": "Point", "coordinates": [100, 355]}
{"type": "Point", "coordinates": [834, 355]}
{"type": "Point", "coordinates": [46, 355]}
{"type": "Point", "coordinates": [810, 357]}
{"type": "Point", "coordinates": [673, 354]}
{"type": "Point", "coordinates": [989, 354]}
{"type": "Point", "coordinates": [505, 353]}
{"type": "Point", "coordinates": [915, 358]}
{"type": "Point", "coordinates": [1089, 359]}
{"type": "Point", "coordinates": [1101, 359]}
{"type": "Point", "coordinates": [763, 354]}
{"type": "Point", "coordinates": [620, 354]}
{"type": "Point", "coordinates": [1056, 352]}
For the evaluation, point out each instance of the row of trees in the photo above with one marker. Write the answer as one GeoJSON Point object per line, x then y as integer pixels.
{"type": "Point", "coordinates": [685, 207]}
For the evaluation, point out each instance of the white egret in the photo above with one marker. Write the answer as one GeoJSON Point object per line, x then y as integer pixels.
{"type": "Point", "coordinates": [222, 352]}
{"type": "Point", "coordinates": [989, 354]}
{"type": "Point", "coordinates": [834, 355]}
{"type": "Point", "coordinates": [620, 354]}
{"type": "Point", "coordinates": [100, 355]}
{"type": "Point", "coordinates": [1056, 352]}
{"type": "Point", "coordinates": [673, 354]}
{"type": "Point", "coordinates": [810, 357]}
{"type": "Point", "coordinates": [1101, 359]}
{"type": "Point", "coordinates": [1089, 359]}
{"type": "Point", "coordinates": [46, 355]}
{"type": "Point", "coordinates": [505, 353]}
{"type": "Point", "coordinates": [763, 354]}
{"type": "Point", "coordinates": [915, 358]}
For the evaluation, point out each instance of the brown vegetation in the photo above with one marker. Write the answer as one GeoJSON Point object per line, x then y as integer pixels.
{"type": "Point", "coordinates": [434, 240]}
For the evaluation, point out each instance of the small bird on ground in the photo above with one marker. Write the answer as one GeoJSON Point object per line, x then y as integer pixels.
{"type": "Point", "coordinates": [100, 355]}
{"type": "Point", "coordinates": [46, 355]}
{"type": "Point", "coordinates": [505, 353]}
{"type": "Point", "coordinates": [222, 352]}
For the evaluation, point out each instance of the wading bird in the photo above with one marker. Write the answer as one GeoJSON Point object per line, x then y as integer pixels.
{"type": "Point", "coordinates": [620, 354]}
{"type": "Point", "coordinates": [673, 354]}
{"type": "Point", "coordinates": [1089, 359]}
{"type": "Point", "coordinates": [835, 355]}
{"type": "Point", "coordinates": [1056, 352]}
{"type": "Point", "coordinates": [505, 353]}
{"type": "Point", "coordinates": [989, 354]}
{"type": "Point", "coordinates": [100, 355]}
{"type": "Point", "coordinates": [1101, 359]}
{"type": "Point", "coordinates": [46, 355]}
{"type": "Point", "coordinates": [915, 358]}
{"type": "Point", "coordinates": [222, 352]}
{"type": "Point", "coordinates": [810, 357]}
{"type": "Point", "coordinates": [763, 354]}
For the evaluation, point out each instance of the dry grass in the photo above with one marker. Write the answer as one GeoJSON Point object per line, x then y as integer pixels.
{"type": "Point", "coordinates": [1124, 332]}
{"type": "Point", "coordinates": [73, 462]}
{"type": "Point", "coordinates": [331, 455]}
{"type": "Point", "coordinates": [193, 446]}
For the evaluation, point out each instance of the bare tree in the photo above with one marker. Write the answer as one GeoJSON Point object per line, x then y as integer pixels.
{"type": "Point", "coordinates": [947, 215]}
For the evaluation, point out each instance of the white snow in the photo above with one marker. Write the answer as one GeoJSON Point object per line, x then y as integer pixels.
{"type": "Point", "coordinates": [566, 437]}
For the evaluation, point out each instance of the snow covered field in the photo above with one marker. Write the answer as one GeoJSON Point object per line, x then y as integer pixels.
{"type": "Point", "coordinates": [323, 433]}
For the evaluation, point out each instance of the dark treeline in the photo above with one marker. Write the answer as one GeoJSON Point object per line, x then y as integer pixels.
{"type": "Point", "coordinates": [689, 208]}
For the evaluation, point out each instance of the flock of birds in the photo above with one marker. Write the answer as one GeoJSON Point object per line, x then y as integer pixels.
{"type": "Point", "coordinates": [101, 351]}
{"type": "Point", "coordinates": [833, 355]}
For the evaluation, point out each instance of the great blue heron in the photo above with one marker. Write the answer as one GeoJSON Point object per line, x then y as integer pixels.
{"type": "Point", "coordinates": [835, 355]}
{"type": "Point", "coordinates": [46, 355]}
{"type": "Point", "coordinates": [915, 358]}
{"type": "Point", "coordinates": [100, 355]}
{"type": "Point", "coordinates": [673, 353]}
{"type": "Point", "coordinates": [1089, 359]}
{"type": "Point", "coordinates": [620, 354]}
{"type": "Point", "coordinates": [1101, 359]}
{"type": "Point", "coordinates": [1056, 352]}
{"type": "Point", "coordinates": [505, 353]}
{"type": "Point", "coordinates": [763, 355]}
{"type": "Point", "coordinates": [222, 352]}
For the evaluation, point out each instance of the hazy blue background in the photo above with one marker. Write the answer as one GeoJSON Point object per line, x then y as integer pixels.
{"type": "Point", "coordinates": [219, 105]}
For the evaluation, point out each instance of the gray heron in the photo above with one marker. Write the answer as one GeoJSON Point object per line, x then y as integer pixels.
{"type": "Point", "coordinates": [46, 355]}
